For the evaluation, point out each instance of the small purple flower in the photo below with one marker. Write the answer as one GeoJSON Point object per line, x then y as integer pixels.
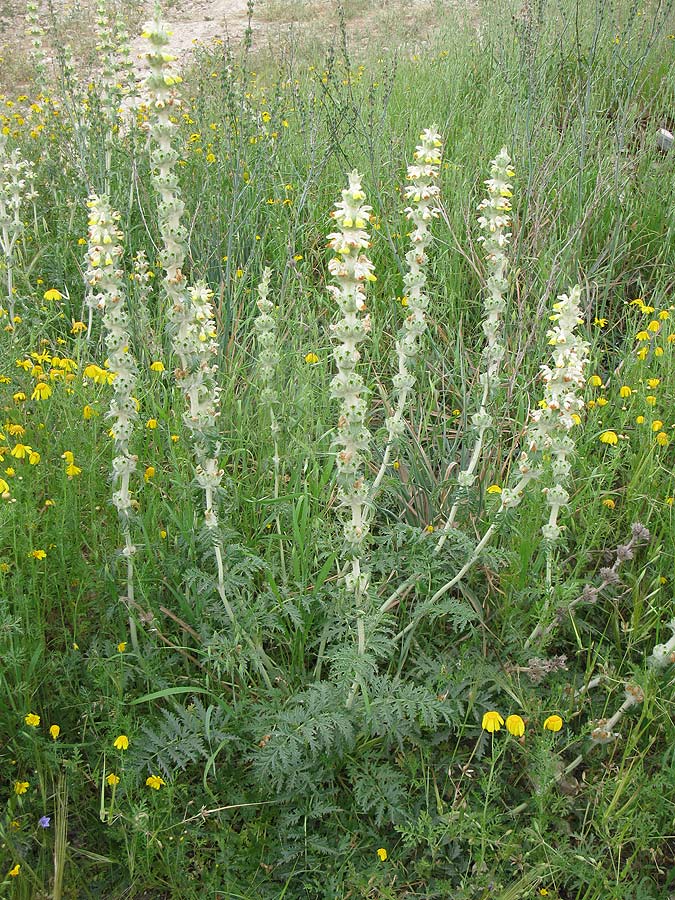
{"type": "Point", "coordinates": [44, 821]}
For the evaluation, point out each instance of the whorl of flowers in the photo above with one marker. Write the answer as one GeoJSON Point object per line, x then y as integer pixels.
{"type": "Point", "coordinates": [161, 85]}
{"type": "Point", "coordinates": [511, 497]}
{"type": "Point", "coordinates": [142, 277]}
{"type": "Point", "coordinates": [422, 192]}
{"type": "Point", "coordinates": [560, 408]}
{"type": "Point", "coordinates": [268, 353]}
{"type": "Point", "coordinates": [106, 280]}
{"type": "Point", "coordinates": [352, 270]}
{"type": "Point", "coordinates": [16, 188]}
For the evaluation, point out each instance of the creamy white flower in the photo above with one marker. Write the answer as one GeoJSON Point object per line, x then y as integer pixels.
{"type": "Point", "coordinates": [493, 221]}
{"type": "Point", "coordinates": [352, 269]}
{"type": "Point", "coordinates": [16, 190]}
{"type": "Point", "coordinates": [551, 424]}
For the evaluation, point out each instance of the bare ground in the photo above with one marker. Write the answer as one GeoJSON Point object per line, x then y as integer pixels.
{"type": "Point", "coordinates": [379, 24]}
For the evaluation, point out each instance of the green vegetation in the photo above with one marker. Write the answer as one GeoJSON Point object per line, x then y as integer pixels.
{"type": "Point", "coordinates": [268, 731]}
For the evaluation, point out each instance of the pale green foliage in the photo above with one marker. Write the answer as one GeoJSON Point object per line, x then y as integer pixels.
{"type": "Point", "coordinates": [180, 737]}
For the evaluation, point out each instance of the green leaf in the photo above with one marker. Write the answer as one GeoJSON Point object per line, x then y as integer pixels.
{"type": "Point", "coordinates": [168, 692]}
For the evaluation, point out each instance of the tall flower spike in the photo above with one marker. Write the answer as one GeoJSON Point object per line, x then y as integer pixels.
{"type": "Point", "coordinates": [199, 346]}
{"type": "Point", "coordinates": [196, 337]}
{"type": "Point", "coordinates": [106, 281]}
{"type": "Point", "coordinates": [161, 85]}
{"type": "Point", "coordinates": [548, 431]}
{"type": "Point", "coordinates": [105, 48]}
{"type": "Point", "coordinates": [143, 328]}
{"type": "Point", "coordinates": [16, 189]}
{"type": "Point", "coordinates": [268, 362]}
{"type": "Point", "coordinates": [422, 192]}
{"type": "Point", "coordinates": [268, 354]}
{"type": "Point", "coordinates": [189, 311]}
{"type": "Point", "coordinates": [36, 32]}
{"type": "Point", "coordinates": [352, 270]}
{"type": "Point", "coordinates": [110, 92]}
{"type": "Point", "coordinates": [495, 222]}
{"type": "Point", "coordinates": [559, 411]}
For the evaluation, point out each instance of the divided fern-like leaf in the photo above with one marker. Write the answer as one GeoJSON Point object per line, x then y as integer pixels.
{"type": "Point", "coordinates": [314, 729]}
{"type": "Point", "coordinates": [179, 737]}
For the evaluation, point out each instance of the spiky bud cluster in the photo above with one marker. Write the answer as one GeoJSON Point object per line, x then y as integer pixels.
{"type": "Point", "coordinates": [422, 193]}
{"type": "Point", "coordinates": [106, 280]}
{"type": "Point", "coordinates": [352, 270]}
{"type": "Point", "coordinates": [114, 51]}
{"type": "Point", "coordinates": [105, 47]}
{"type": "Point", "coordinates": [36, 32]}
{"type": "Point", "coordinates": [267, 338]}
{"type": "Point", "coordinates": [16, 189]}
{"type": "Point", "coordinates": [161, 85]}
{"type": "Point", "coordinates": [144, 334]}
{"type": "Point", "coordinates": [197, 337]}
{"type": "Point", "coordinates": [559, 411]}
{"type": "Point", "coordinates": [123, 61]}
{"type": "Point", "coordinates": [495, 222]}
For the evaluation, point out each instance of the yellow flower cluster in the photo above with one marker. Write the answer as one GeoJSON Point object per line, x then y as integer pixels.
{"type": "Point", "coordinates": [45, 369]}
{"type": "Point", "coordinates": [652, 340]}
{"type": "Point", "coordinates": [32, 720]}
{"type": "Point", "coordinates": [515, 724]}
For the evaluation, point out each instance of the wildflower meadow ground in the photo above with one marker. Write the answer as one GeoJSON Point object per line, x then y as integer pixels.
{"type": "Point", "coordinates": [336, 460]}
